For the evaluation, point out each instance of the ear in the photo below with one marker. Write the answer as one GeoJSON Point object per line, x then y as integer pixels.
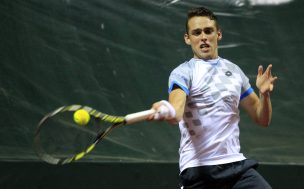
{"type": "Point", "coordinates": [219, 35]}
{"type": "Point", "coordinates": [187, 39]}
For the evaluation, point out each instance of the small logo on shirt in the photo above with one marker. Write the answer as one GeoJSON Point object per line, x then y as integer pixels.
{"type": "Point", "coordinates": [228, 73]}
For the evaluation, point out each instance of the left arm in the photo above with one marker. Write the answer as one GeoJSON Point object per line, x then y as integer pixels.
{"type": "Point", "coordinates": [259, 108]}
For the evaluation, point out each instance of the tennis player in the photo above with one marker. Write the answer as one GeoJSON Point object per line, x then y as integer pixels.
{"type": "Point", "coordinates": [204, 95]}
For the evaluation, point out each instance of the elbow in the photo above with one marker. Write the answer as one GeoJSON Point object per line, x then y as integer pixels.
{"type": "Point", "coordinates": [178, 118]}
{"type": "Point", "coordinates": [179, 115]}
{"type": "Point", "coordinates": [263, 123]}
{"type": "Point", "coordinates": [264, 119]}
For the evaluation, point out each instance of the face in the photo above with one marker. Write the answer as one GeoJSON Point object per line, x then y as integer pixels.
{"type": "Point", "coordinates": [203, 37]}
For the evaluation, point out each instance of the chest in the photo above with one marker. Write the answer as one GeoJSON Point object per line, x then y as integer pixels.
{"type": "Point", "coordinates": [212, 83]}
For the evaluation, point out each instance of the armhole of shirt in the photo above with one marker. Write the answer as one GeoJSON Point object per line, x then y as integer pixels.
{"type": "Point", "coordinates": [246, 93]}
{"type": "Point", "coordinates": [175, 85]}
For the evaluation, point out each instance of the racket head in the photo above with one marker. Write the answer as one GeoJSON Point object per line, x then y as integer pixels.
{"type": "Point", "coordinates": [59, 140]}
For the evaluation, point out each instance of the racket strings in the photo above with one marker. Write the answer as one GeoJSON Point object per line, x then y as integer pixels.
{"type": "Point", "coordinates": [61, 137]}
{"type": "Point", "coordinates": [59, 140]}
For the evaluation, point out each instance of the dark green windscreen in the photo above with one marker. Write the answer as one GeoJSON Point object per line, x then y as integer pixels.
{"type": "Point", "coordinates": [116, 55]}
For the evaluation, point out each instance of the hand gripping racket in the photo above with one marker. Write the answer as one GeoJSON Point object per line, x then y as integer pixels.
{"type": "Point", "coordinates": [59, 140]}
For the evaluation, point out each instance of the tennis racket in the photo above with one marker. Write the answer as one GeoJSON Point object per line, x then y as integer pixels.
{"type": "Point", "coordinates": [59, 140]}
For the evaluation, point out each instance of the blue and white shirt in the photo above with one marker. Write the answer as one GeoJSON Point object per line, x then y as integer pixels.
{"type": "Point", "coordinates": [209, 128]}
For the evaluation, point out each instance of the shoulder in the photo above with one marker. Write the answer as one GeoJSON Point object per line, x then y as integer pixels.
{"type": "Point", "coordinates": [185, 67]}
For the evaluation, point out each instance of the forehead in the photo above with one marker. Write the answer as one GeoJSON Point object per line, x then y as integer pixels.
{"type": "Point", "coordinates": [200, 22]}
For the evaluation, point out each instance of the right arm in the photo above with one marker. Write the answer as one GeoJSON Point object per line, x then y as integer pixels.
{"type": "Point", "coordinates": [177, 98]}
{"type": "Point", "coordinates": [179, 80]}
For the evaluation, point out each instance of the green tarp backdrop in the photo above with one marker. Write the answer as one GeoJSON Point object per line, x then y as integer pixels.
{"type": "Point", "coordinates": [116, 55]}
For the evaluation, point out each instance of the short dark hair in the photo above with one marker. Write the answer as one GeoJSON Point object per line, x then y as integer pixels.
{"type": "Point", "coordinates": [201, 11]}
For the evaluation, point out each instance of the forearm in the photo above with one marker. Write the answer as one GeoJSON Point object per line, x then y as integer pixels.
{"type": "Point", "coordinates": [172, 110]}
{"type": "Point", "coordinates": [264, 110]}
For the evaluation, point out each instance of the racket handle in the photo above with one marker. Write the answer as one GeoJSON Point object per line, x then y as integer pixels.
{"type": "Point", "coordinates": [139, 116]}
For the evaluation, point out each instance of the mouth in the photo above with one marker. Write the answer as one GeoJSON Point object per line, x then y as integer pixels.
{"type": "Point", "coordinates": [202, 46]}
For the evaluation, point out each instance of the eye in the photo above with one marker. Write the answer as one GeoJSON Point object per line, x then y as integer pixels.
{"type": "Point", "coordinates": [196, 32]}
{"type": "Point", "coordinates": [208, 31]}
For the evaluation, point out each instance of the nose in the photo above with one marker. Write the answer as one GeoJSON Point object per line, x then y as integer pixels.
{"type": "Point", "coordinates": [203, 37]}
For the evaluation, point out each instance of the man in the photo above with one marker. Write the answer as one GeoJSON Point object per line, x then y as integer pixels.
{"type": "Point", "coordinates": [204, 95]}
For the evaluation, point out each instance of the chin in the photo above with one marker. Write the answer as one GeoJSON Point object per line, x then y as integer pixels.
{"type": "Point", "coordinates": [205, 57]}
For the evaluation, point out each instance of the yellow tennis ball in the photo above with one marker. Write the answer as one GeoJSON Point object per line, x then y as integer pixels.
{"type": "Point", "coordinates": [81, 117]}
